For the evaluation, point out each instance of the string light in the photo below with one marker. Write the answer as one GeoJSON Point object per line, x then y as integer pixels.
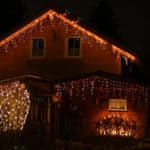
{"type": "Point", "coordinates": [116, 125]}
{"type": "Point", "coordinates": [14, 106]}
{"type": "Point", "coordinates": [114, 88]}
{"type": "Point", "coordinates": [99, 89]}
{"type": "Point", "coordinates": [26, 31]}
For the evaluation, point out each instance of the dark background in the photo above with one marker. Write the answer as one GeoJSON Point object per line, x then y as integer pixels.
{"type": "Point", "coordinates": [126, 21]}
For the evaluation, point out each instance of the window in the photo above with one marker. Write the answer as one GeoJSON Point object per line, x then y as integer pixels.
{"type": "Point", "coordinates": [117, 104]}
{"type": "Point", "coordinates": [73, 46]}
{"type": "Point", "coordinates": [37, 47]}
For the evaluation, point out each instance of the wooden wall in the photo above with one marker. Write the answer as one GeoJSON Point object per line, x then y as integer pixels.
{"type": "Point", "coordinates": [16, 56]}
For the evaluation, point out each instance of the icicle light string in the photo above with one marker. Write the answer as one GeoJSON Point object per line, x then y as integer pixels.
{"type": "Point", "coordinates": [112, 88]}
{"type": "Point", "coordinates": [27, 30]}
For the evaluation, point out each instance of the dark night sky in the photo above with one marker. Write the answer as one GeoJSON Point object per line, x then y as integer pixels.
{"type": "Point", "coordinates": [133, 16]}
{"type": "Point", "coordinates": [134, 22]}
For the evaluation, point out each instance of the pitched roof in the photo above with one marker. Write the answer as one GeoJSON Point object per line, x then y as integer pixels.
{"type": "Point", "coordinates": [37, 85]}
{"type": "Point", "coordinates": [51, 14]}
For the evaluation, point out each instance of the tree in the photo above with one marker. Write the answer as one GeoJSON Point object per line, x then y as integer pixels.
{"type": "Point", "coordinates": [11, 14]}
{"type": "Point", "coordinates": [104, 19]}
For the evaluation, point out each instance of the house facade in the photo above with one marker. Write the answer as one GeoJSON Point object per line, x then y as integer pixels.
{"type": "Point", "coordinates": [103, 106]}
{"type": "Point", "coordinates": [55, 48]}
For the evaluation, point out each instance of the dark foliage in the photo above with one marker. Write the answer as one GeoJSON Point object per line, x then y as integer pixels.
{"type": "Point", "coordinates": [11, 16]}
{"type": "Point", "coordinates": [104, 19]}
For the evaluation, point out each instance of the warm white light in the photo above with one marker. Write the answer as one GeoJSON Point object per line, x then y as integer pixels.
{"type": "Point", "coordinates": [26, 31]}
{"type": "Point", "coordinates": [113, 88]}
{"type": "Point", "coordinates": [14, 106]}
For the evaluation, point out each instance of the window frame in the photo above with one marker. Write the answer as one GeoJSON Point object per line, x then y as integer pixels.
{"type": "Point", "coordinates": [38, 56]}
{"type": "Point", "coordinates": [118, 104]}
{"type": "Point", "coordinates": [67, 47]}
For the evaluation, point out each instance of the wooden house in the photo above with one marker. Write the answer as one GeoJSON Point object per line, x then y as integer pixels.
{"type": "Point", "coordinates": [54, 48]}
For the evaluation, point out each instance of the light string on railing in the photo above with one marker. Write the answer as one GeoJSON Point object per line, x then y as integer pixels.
{"type": "Point", "coordinates": [115, 125]}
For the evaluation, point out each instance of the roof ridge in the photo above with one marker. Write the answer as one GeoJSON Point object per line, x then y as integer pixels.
{"type": "Point", "coordinates": [51, 14]}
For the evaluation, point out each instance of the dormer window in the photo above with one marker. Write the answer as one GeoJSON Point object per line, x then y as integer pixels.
{"type": "Point", "coordinates": [37, 47]}
{"type": "Point", "coordinates": [73, 47]}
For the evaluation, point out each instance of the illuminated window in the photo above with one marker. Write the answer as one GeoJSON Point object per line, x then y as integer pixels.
{"type": "Point", "coordinates": [73, 46]}
{"type": "Point", "coordinates": [117, 104]}
{"type": "Point", "coordinates": [37, 47]}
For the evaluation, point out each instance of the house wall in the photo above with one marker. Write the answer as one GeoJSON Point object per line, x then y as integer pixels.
{"type": "Point", "coordinates": [55, 64]}
{"type": "Point", "coordinates": [81, 123]}
{"type": "Point", "coordinates": [85, 103]}
{"type": "Point", "coordinates": [100, 111]}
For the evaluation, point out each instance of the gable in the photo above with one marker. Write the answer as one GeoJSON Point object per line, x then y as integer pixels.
{"type": "Point", "coordinates": [52, 15]}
